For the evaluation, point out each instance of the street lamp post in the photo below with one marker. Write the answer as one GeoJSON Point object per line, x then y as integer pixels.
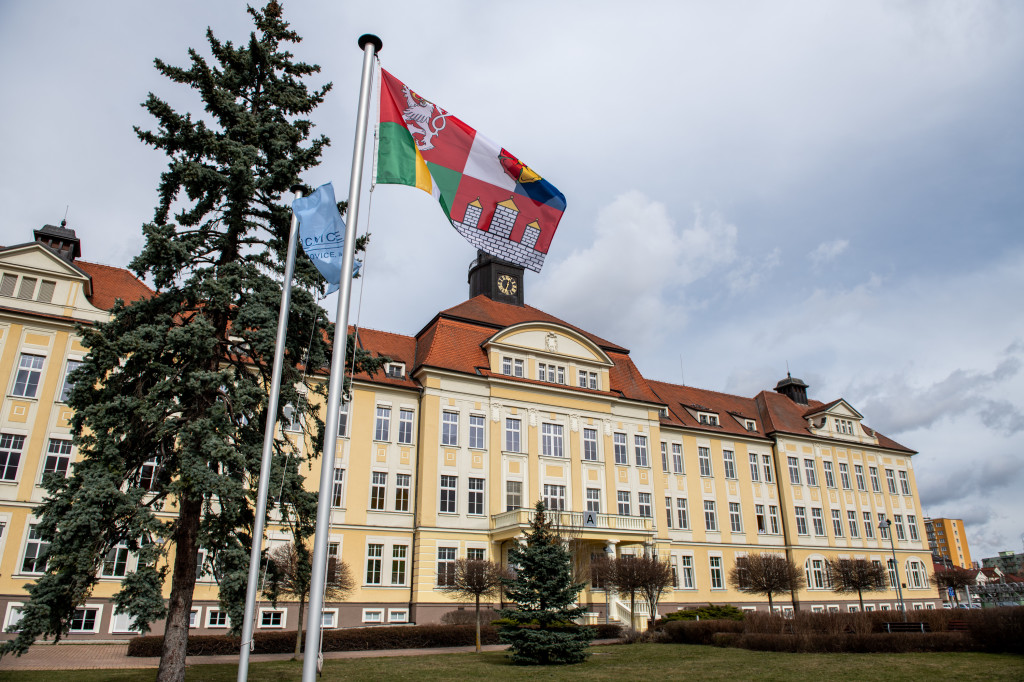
{"type": "Point", "coordinates": [884, 526]}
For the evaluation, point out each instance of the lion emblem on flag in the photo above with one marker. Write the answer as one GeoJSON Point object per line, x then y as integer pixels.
{"type": "Point", "coordinates": [424, 118]}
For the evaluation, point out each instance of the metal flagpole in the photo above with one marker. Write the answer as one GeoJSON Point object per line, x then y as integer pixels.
{"type": "Point", "coordinates": [370, 44]}
{"type": "Point", "coordinates": [255, 555]}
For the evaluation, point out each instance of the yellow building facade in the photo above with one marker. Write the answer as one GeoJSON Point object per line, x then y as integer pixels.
{"type": "Point", "coordinates": [948, 541]}
{"type": "Point", "coordinates": [491, 407]}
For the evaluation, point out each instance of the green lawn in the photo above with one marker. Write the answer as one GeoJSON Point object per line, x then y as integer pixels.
{"type": "Point", "coordinates": [639, 661]}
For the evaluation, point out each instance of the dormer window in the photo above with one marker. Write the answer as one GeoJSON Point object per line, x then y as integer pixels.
{"type": "Point", "coordinates": [844, 426]}
{"type": "Point", "coordinates": [395, 370]}
{"type": "Point", "coordinates": [587, 379]}
{"type": "Point", "coordinates": [513, 367]}
{"type": "Point", "coordinates": [707, 418]}
{"type": "Point", "coordinates": [663, 413]}
{"type": "Point", "coordinates": [750, 425]}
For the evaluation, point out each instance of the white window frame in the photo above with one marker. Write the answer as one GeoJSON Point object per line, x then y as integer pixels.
{"type": "Point", "coordinates": [477, 432]}
{"type": "Point", "coordinates": [406, 425]}
{"type": "Point", "coordinates": [640, 449]}
{"type": "Point", "coordinates": [448, 500]}
{"type": "Point", "coordinates": [373, 615]}
{"type": "Point", "coordinates": [13, 446]}
{"type": "Point", "coordinates": [475, 497]}
{"type": "Point", "coordinates": [382, 424]}
{"type": "Point", "coordinates": [65, 386]}
{"type": "Point", "coordinates": [450, 429]}
{"type": "Point", "coordinates": [96, 626]}
{"type": "Point", "coordinates": [24, 373]}
{"type": "Point", "coordinates": [513, 434]}
{"type": "Point", "coordinates": [210, 612]}
{"type": "Point", "coordinates": [398, 615]}
{"type": "Point", "coordinates": [619, 448]}
{"type": "Point", "coordinates": [590, 451]}
{"type": "Point", "coordinates": [552, 442]}
{"type": "Point", "coordinates": [704, 458]}
{"type": "Point", "coordinates": [517, 493]}
{"type": "Point", "coordinates": [729, 463]}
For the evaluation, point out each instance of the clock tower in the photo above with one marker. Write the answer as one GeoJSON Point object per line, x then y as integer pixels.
{"type": "Point", "coordinates": [496, 279]}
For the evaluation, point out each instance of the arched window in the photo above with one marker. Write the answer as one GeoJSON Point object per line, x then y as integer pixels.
{"type": "Point", "coordinates": [817, 577]}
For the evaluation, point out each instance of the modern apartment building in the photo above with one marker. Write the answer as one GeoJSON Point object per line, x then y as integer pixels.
{"type": "Point", "coordinates": [948, 541]}
{"type": "Point", "coordinates": [490, 407]}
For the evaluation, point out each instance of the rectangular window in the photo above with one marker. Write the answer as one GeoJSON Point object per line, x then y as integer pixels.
{"type": "Point", "coordinates": [717, 577]}
{"type": "Point", "coordinates": [844, 476]}
{"type": "Point", "coordinates": [682, 515]}
{"type": "Point", "coordinates": [912, 527]}
{"type": "Point", "coordinates": [551, 440]}
{"type": "Point", "coordinates": [643, 503]}
{"type": "Point", "coordinates": [403, 483]}
{"type": "Point", "coordinates": [640, 447]}
{"type": "Point", "coordinates": [687, 564]}
{"type": "Point", "coordinates": [818, 520]}
{"type": "Point", "coordinates": [10, 456]}
{"type": "Point", "coordinates": [623, 499]}
{"type": "Point", "coordinates": [476, 431]}
{"type": "Point", "coordinates": [378, 489]}
{"type": "Point", "coordinates": [754, 475]}
{"type": "Point", "coordinates": [668, 512]}
{"type": "Point", "coordinates": [892, 573]}
{"type": "Point", "coordinates": [810, 473]}
{"type": "Point", "coordinates": [512, 432]}
{"type": "Point", "coordinates": [476, 553]}
{"type": "Point", "coordinates": [343, 412]}
{"type": "Point", "coordinates": [30, 370]}
{"type": "Point", "coordinates": [762, 525]}
{"type": "Point", "coordinates": [883, 531]}
{"type": "Point", "coordinates": [581, 378]}
{"type": "Point", "coordinates": [729, 463]}
{"type": "Point", "coordinates": [664, 456]}
{"type": "Point", "coordinates": [513, 495]}
{"type": "Point", "coordinates": [590, 444]}
{"type": "Point", "coordinates": [382, 429]}
{"type": "Point", "coordinates": [801, 520]}
{"type": "Point", "coordinates": [215, 618]}
{"type": "Point", "coordinates": [858, 472]}
{"type": "Point", "coordinates": [874, 479]}
{"type": "Point", "coordinates": [115, 563]}
{"type": "Point", "coordinates": [710, 518]}
{"type": "Point", "coordinates": [816, 574]}
{"type": "Point", "coordinates": [830, 476]}
{"type": "Point", "coordinates": [837, 523]}
{"type": "Point", "coordinates": [773, 518]}
{"type": "Point", "coordinates": [851, 518]}
{"type": "Point", "coordinates": [7, 284]}
{"type": "Point", "coordinates": [901, 534]}
{"type": "Point", "coordinates": [735, 518]}
{"type": "Point", "coordinates": [398, 559]}
{"type": "Point", "coordinates": [594, 500]}
{"type": "Point", "coordinates": [869, 527]}
{"type": "Point", "coordinates": [794, 470]}
{"type": "Point", "coordinates": [58, 457]}
{"type": "Point", "coordinates": [904, 483]}
{"type": "Point", "coordinates": [506, 366]}
{"type": "Point", "coordinates": [450, 428]}
{"type": "Point", "coordinates": [704, 457]}
{"type": "Point", "coordinates": [518, 368]}
{"type": "Point", "coordinates": [677, 458]}
{"type": "Point", "coordinates": [890, 479]}
{"type": "Point", "coordinates": [445, 566]}
{"type": "Point", "coordinates": [405, 418]}
{"type": "Point", "coordinates": [84, 620]}
{"type": "Point", "coordinates": [476, 496]}
{"type": "Point", "coordinates": [619, 441]}
{"type": "Point", "coordinates": [374, 560]}
{"type": "Point", "coordinates": [66, 386]}
{"type": "Point", "coordinates": [448, 486]}
{"type": "Point", "coordinates": [593, 381]}
{"type": "Point", "coordinates": [766, 461]}
{"type": "Point", "coordinates": [554, 497]}
{"type": "Point", "coordinates": [338, 490]}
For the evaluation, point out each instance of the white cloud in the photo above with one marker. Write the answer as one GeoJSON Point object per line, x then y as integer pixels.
{"type": "Point", "coordinates": [828, 251]}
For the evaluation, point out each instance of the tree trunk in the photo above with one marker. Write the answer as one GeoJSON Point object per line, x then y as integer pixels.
{"type": "Point", "coordinates": [771, 607]}
{"type": "Point", "coordinates": [298, 635]}
{"type": "Point", "coordinates": [860, 598]}
{"type": "Point", "coordinates": [632, 611]}
{"type": "Point", "coordinates": [183, 582]}
{"type": "Point", "coordinates": [478, 623]}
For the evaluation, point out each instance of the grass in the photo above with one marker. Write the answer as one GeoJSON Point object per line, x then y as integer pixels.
{"type": "Point", "coordinates": [622, 662]}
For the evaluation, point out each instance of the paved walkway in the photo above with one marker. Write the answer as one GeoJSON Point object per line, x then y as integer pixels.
{"type": "Point", "coordinates": [90, 656]}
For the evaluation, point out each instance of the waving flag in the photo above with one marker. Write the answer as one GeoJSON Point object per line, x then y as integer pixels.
{"type": "Point", "coordinates": [322, 233]}
{"type": "Point", "coordinates": [492, 199]}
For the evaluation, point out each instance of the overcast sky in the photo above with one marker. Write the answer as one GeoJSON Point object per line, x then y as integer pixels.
{"type": "Point", "coordinates": [834, 185]}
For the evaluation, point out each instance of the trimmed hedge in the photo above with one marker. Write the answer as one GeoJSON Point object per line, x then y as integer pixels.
{"type": "Point", "coordinates": [350, 639]}
{"type": "Point", "coordinates": [999, 630]}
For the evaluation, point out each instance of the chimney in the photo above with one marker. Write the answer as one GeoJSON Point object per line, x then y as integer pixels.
{"type": "Point", "coordinates": [794, 389]}
{"type": "Point", "coordinates": [61, 240]}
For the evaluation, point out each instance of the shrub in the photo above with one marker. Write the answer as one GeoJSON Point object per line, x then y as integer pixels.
{"type": "Point", "coordinates": [998, 630]}
{"type": "Point", "coordinates": [608, 630]}
{"type": "Point", "coordinates": [698, 632]}
{"type": "Point", "coordinates": [354, 639]}
{"type": "Point", "coordinates": [709, 612]}
{"type": "Point", "coordinates": [866, 643]}
{"type": "Point", "coordinates": [468, 616]}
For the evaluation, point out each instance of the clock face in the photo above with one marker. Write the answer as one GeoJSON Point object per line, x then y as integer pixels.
{"type": "Point", "coordinates": [507, 285]}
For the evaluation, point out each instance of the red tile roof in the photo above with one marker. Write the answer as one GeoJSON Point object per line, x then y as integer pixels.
{"type": "Point", "coordinates": [110, 283]}
{"type": "Point", "coordinates": [395, 346]}
{"type": "Point", "coordinates": [727, 407]}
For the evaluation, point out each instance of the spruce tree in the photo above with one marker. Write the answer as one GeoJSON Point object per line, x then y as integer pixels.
{"type": "Point", "coordinates": [180, 379]}
{"type": "Point", "coordinates": [541, 628]}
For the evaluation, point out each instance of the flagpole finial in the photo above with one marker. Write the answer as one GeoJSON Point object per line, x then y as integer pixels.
{"type": "Point", "coordinates": [370, 38]}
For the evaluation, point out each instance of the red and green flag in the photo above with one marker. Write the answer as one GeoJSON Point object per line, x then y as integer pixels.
{"type": "Point", "coordinates": [490, 197]}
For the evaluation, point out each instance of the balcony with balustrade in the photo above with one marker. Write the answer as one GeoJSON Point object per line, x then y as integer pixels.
{"type": "Point", "coordinates": [580, 525]}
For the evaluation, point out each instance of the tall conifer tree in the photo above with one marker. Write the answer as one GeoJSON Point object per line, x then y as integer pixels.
{"type": "Point", "coordinates": [540, 628]}
{"type": "Point", "coordinates": [170, 401]}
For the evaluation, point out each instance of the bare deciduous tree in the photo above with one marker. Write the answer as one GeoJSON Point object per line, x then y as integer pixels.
{"type": "Point", "coordinates": [766, 574]}
{"type": "Point", "coordinates": [474, 579]}
{"type": "Point", "coordinates": [634, 574]}
{"type": "Point", "coordinates": [289, 574]}
{"type": "Point", "coordinates": [955, 577]}
{"type": "Point", "coordinates": [857, 575]}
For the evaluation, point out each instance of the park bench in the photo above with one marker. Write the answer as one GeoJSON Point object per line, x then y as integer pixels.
{"type": "Point", "coordinates": [907, 627]}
